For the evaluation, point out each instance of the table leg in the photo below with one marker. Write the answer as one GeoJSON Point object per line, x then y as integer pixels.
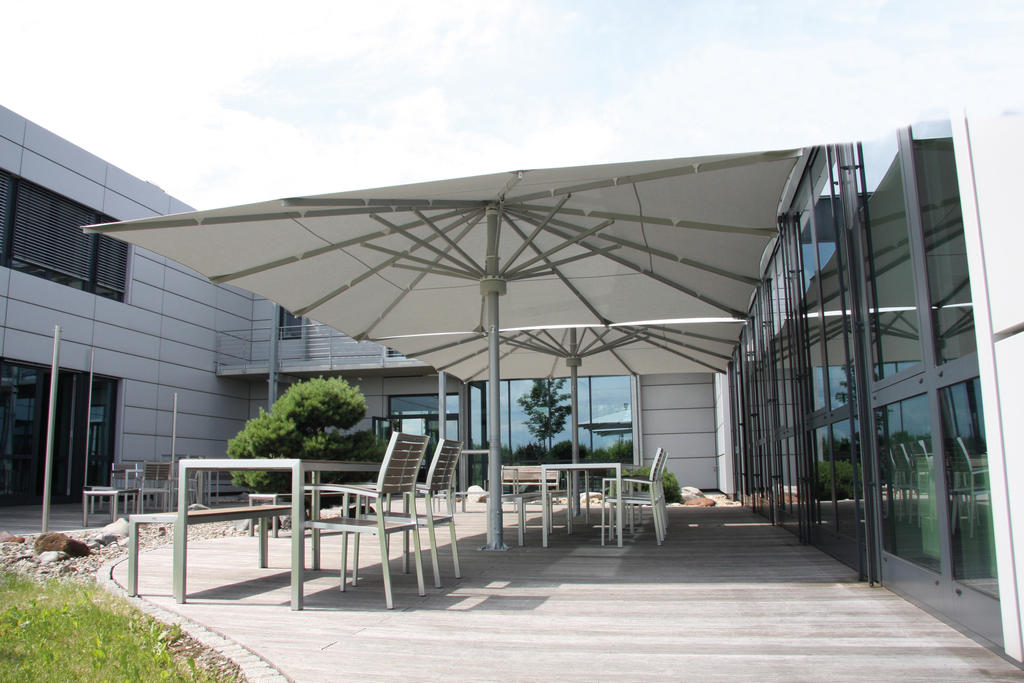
{"type": "Point", "coordinates": [545, 515]}
{"type": "Point", "coordinates": [298, 535]}
{"type": "Point", "coordinates": [570, 499]}
{"type": "Point", "coordinates": [133, 558]}
{"type": "Point", "coordinates": [586, 492]}
{"type": "Point", "coordinates": [621, 507]}
{"type": "Point", "coordinates": [264, 522]}
{"type": "Point", "coordinates": [314, 514]}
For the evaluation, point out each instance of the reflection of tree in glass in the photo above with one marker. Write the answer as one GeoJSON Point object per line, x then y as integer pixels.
{"type": "Point", "coordinates": [545, 408]}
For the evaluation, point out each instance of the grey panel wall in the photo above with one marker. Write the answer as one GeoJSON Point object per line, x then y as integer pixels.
{"type": "Point", "coordinates": [160, 342]}
{"type": "Point", "coordinates": [678, 414]}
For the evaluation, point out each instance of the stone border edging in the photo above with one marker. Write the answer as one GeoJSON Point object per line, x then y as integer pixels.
{"type": "Point", "coordinates": [254, 667]}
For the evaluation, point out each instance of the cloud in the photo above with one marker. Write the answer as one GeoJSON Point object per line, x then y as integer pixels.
{"type": "Point", "coordinates": [229, 102]}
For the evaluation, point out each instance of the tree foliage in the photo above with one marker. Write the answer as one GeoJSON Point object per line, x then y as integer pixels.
{"type": "Point", "coordinates": [306, 422]}
{"type": "Point", "coordinates": [546, 408]}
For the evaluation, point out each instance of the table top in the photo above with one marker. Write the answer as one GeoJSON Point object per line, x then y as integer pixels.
{"type": "Point", "coordinates": [278, 464]}
{"type": "Point", "coordinates": [617, 466]}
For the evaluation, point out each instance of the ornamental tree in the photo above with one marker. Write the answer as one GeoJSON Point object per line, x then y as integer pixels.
{"type": "Point", "coordinates": [546, 409]}
{"type": "Point", "coordinates": [306, 422]}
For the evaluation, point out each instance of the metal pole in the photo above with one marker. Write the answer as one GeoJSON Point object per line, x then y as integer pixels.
{"type": "Point", "coordinates": [442, 407]}
{"type": "Point", "coordinates": [574, 362]}
{"type": "Point", "coordinates": [48, 467]}
{"type": "Point", "coordinates": [492, 286]}
{"type": "Point", "coordinates": [174, 428]}
{"type": "Point", "coordinates": [88, 412]}
{"type": "Point", "coordinates": [272, 359]}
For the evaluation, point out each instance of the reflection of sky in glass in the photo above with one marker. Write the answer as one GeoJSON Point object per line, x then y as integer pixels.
{"type": "Point", "coordinates": [930, 130]}
{"type": "Point", "coordinates": [878, 156]}
{"type": "Point", "coordinates": [911, 417]}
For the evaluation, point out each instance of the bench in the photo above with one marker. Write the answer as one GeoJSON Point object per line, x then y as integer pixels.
{"type": "Point", "coordinates": [256, 512]}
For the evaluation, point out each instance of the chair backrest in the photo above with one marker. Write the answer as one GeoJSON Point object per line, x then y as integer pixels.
{"type": "Point", "coordinates": [518, 476]}
{"type": "Point", "coordinates": [658, 466]}
{"type": "Point", "coordinates": [124, 475]}
{"type": "Point", "coordinates": [401, 463]}
{"type": "Point", "coordinates": [441, 475]}
{"type": "Point", "coordinates": [156, 471]}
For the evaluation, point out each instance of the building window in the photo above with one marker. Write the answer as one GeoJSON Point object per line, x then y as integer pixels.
{"type": "Point", "coordinates": [80, 455]}
{"type": "Point", "coordinates": [605, 418]}
{"type": "Point", "coordinates": [41, 234]}
{"type": "Point", "coordinates": [288, 326]}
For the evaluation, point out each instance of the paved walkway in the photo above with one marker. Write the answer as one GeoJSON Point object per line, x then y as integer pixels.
{"type": "Point", "coordinates": [727, 598]}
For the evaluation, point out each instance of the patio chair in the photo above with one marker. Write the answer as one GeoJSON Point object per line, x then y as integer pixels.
{"type": "Point", "coordinates": [969, 483]}
{"type": "Point", "coordinates": [397, 477]}
{"type": "Point", "coordinates": [637, 493]}
{"type": "Point", "coordinates": [441, 483]}
{"type": "Point", "coordinates": [155, 481]}
{"type": "Point", "coordinates": [124, 487]}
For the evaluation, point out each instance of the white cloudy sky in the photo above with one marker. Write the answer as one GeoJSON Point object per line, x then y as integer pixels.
{"type": "Point", "coordinates": [229, 102]}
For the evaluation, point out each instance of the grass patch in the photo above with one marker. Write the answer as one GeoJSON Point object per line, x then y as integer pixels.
{"type": "Point", "coordinates": [64, 632]}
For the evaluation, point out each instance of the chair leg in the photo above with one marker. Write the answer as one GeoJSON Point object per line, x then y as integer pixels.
{"type": "Point", "coordinates": [344, 558]}
{"type": "Point", "coordinates": [450, 499]}
{"type": "Point", "coordinates": [405, 535]}
{"type": "Point", "coordinates": [656, 518]}
{"type": "Point", "coordinates": [419, 555]}
{"type": "Point", "coordinates": [384, 568]}
{"type": "Point", "coordinates": [433, 541]}
{"type": "Point", "coordinates": [357, 538]}
{"type": "Point", "coordinates": [455, 548]}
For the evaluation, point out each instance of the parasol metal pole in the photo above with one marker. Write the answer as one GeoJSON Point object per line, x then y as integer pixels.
{"type": "Point", "coordinates": [491, 287]}
{"type": "Point", "coordinates": [275, 335]}
{"type": "Point", "coordinates": [442, 407]}
{"type": "Point", "coordinates": [48, 466]}
{"type": "Point", "coordinates": [574, 362]}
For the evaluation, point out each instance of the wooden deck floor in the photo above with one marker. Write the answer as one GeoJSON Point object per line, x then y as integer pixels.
{"type": "Point", "coordinates": [727, 598]}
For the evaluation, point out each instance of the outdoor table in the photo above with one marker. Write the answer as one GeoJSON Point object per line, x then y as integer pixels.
{"type": "Point", "coordinates": [298, 468]}
{"type": "Point", "coordinates": [573, 468]}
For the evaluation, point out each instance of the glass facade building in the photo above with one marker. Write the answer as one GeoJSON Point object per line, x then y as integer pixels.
{"type": "Point", "coordinates": [858, 418]}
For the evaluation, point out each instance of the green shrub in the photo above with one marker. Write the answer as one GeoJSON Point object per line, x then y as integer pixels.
{"type": "Point", "coordinates": [528, 453]}
{"type": "Point", "coordinates": [673, 492]}
{"type": "Point", "coordinates": [844, 480]}
{"type": "Point", "coordinates": [562, 452]}
{"type": "Point", "coordinates": [306, 422]}
{"type": "Point", "coordinates": [620, 451]}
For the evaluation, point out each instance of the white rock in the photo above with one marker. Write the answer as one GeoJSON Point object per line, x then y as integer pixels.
{"type": "Point", "coordinates": [104, 539]}
{"type": "Point", "coordinates": [51, 556]}
{"type": "Point", "coordinates": [476, 494]}
{"type": "Point", "coordinates": [594, 496]}
{"type": "Point", "coordinates": [116, 528]}
{"type": "Point", "coordinates": [691, 493]}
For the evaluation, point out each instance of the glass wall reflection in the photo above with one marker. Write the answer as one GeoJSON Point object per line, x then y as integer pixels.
{"type": "Point", "coordinates": [895, 333]}
{"type": "Point", "coordinates": [605, 417]}
{"type": "Point", "coordinates": [949, 285]}
{"type": "Point", "coordinates": [967, 480]}
{"type": "Point", "coordinates": [910, 524]}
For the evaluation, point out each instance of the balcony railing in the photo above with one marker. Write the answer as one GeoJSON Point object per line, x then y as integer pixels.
{"type": "Point", "coordinates": [309, 347]}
